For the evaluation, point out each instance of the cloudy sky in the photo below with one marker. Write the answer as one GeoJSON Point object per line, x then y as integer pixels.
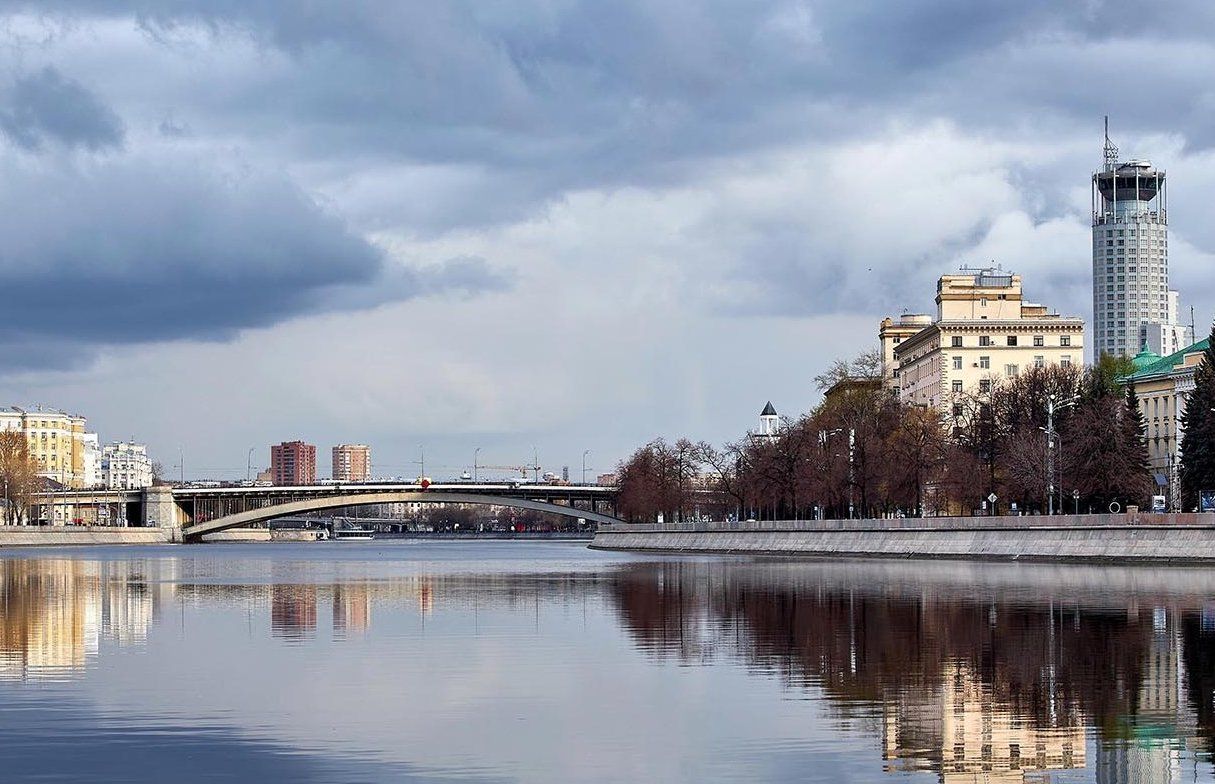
{"type": "Point", "coordinates": [543, 224]}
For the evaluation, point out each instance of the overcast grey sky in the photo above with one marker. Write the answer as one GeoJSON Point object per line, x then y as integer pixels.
{"type": "Point", "coordinates": [544, 224]}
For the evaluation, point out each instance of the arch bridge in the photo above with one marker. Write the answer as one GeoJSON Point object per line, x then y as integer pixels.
{"type": "Point", "coordinates": [190, 512]}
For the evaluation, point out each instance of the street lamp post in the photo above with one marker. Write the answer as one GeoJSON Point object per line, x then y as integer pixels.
{"type": "Point", "coordinates": [476, 452]}
{"type": "Point", "coordinates": [1051, 436]}
{"type": "Point", "coordinates": [584, 454]}
{"type": "Point", "coordinates": [249, 464]}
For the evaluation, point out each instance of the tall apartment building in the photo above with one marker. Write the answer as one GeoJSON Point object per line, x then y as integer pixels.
{"type": "Point", "coordinates": [293, 463]}
{"type": "Point", "coordinates": [57, 441]}
{"type": "Point", "coordinates": [126, 466]}
{"type": "Point", "coordinates": [983, 332]}
{"type": "Point", "coordinates": [351, 462]}
{"type": "Point", "coordinates": [1132, 302]}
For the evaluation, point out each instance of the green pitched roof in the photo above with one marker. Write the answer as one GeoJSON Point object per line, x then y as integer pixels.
{"type": "Point", "coordinates": [1165, 364]}
{"type": "Point", "coordinates": [1145, 357]}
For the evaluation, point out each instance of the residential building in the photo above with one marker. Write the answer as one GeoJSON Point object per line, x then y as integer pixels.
{"type": "Point", "coordinates": [1132, 302]}
{"type": "Point", "coordinates": [892, 333]}
{"type": "Point", "coordinates": [57, 442]}
{"type": "Point", "coordinates": [293, 463]}
{"type": "Point", "coordinates": [125, 465]}
{"type": "Point", "coordinates": [351, 463]}
{"type": "Point", "coordinates": [90, 463]}
{"type": "Point", "coordinates": [1161, 386]}
{"type": "Point", "coordinates": [983, 332]}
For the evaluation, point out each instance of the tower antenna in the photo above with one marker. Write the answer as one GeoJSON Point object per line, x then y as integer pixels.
{"type": "Point", "coordinates": [1110, 151]}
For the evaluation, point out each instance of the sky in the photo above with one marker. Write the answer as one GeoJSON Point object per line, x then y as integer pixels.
{"type": "Point", "coordinates": [543, 228]}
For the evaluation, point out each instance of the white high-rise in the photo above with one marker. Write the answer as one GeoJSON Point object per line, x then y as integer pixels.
{"type": "Point", "coordinates": [1132, 303]}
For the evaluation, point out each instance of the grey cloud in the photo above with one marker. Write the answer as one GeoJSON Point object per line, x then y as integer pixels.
{"type": "Point", "coordinates": [139, 250]}
{"type": "Point", "coordinates": [47, 106]}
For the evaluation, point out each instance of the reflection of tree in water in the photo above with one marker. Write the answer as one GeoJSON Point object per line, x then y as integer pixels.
{"type": "Point", "coordinates": [1034, 663]}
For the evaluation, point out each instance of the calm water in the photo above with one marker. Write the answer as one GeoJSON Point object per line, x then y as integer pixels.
{"type": "Point", "coordinates": [547, 662]}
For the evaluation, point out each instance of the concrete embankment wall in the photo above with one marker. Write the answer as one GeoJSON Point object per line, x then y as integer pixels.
{"type": "Point", "coordinates": [1142, 538]}
{"type": "Point", "coordinates": [34, 536]}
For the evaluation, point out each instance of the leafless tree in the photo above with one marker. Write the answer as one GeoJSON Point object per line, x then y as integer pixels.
{"type": "Point", "coordinates": [19, 474]}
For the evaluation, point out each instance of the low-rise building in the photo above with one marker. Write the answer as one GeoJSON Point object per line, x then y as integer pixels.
{"type": "Point", "coordinates": [125, 465]}
{"type": "Point", "coordinates": [983, 332]}
{"type": "Point", "coordinates": [1161, 385]}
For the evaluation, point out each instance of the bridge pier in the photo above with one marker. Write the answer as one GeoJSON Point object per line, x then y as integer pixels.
{"type": "Point", "coordinates": [160, 510]}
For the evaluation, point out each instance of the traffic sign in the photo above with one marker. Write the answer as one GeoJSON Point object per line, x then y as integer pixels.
{"type": "Point", "coordinates": [992, 498]}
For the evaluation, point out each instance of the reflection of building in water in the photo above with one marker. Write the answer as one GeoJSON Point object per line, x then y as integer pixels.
{"type": "Point", "coordinates": [426, 597]}
{"type": "Point", "coordinates": [976, 737]}
{"type": "Point", "coordinates": [292, 610]}
{"type": "Point", "coordinates": [57, 610]}
{"type": "Point", "coordinates": [351, 608]}
{"type": "Point", "coordinates": [1156, 731]}
{"type": "Point", "coordinates": [126, 609]}
{"type": "Point", "coordinates": [52, 616]}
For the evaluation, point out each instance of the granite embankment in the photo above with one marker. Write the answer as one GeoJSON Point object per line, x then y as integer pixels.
{"type": "Point", "coordinates": [1138, 537]}
{"type": "Point", "coordinates": [77, 535]}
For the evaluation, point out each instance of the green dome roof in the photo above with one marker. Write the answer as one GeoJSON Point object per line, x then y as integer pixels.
{"type": "Point", "coordinates": [1145, 357]}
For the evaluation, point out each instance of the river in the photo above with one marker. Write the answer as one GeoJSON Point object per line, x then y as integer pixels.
{"type": "Point", "coordinates": [547, 662]}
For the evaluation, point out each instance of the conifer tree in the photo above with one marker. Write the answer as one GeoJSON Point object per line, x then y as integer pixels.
{"type": "Point", "coordinates": [1198, 423]}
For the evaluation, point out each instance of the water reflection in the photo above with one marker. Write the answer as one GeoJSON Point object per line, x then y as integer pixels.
{"type": "Point", "coordinates": [969, 684]}
{"type": "Point", "coordinates": [947, 672]}
{"type": "Point", "coordinates": [57, 611]}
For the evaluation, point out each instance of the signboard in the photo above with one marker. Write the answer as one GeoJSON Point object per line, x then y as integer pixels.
{"type": "Point", "coordinates": [1206, 501]}
{"type": "Point", "coordinates": [992, 498]}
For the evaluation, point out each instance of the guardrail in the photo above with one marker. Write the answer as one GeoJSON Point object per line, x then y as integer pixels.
{"type": "Point", "coordinates": [999, 522]}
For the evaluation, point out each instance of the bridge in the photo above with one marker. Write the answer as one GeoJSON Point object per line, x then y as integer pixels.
{"type": "Point", "coordinates": [190, 512]}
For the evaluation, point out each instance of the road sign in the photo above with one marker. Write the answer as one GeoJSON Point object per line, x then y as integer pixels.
{"type": "Point", "coordinates": [992, 498]}
{"type": "Point", "coordinates": [1076, 494]}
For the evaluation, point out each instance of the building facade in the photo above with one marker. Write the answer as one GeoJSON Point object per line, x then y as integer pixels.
{"type": "Point", "coordinates": [984, 332]}
{"type": "Point", "coordinates": [293, 463]}
{"type": "Point", "coordinates": [126, 466]}
{"type": "Point", "coordinates": [351, 463]}
{"type": "Point", "coordinates": [1161, 387]}
{"type": "Point", "coordinates": [57, 442]}
{"type": "Point", "coordinates": [1132, 302]}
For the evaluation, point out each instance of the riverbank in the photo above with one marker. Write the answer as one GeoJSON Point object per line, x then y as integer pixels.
{"type": "Point", "coordinates": [1139, 538]}
{"type": "Point", "coordinates": [77, 535]}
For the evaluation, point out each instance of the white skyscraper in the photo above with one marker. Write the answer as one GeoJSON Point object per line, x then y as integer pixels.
{"type": "Point", "coordinates": [1132, 303]}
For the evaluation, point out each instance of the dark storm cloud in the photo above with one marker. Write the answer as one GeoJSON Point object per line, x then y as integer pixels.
{"type": "Point", "coordinates": [138, 251]}
{"type": "Point", "coordinates": [45, 106]}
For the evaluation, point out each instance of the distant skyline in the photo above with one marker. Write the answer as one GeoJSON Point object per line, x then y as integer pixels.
{"type": "Point", "coordinates": [545, 226]}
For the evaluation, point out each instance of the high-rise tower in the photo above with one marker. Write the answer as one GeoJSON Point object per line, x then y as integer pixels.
{"type": "Point", "coordinates": [1132, 304]}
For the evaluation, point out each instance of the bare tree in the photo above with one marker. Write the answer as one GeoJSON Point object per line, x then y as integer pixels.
{"type": "Point", "coordinates": [19, 474]}
{"type": "Point", "coordinates": [866, 365]}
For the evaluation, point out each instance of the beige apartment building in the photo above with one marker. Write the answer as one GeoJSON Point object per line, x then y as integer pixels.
{"type": "Point", "coordinates": [58, 443]}
{"type": "Point", "coordinates": [1161, 387]}
{"type": "Point", "coordinates": [983, 332]}
{"type": "Point", "coordinates": [351, 462]}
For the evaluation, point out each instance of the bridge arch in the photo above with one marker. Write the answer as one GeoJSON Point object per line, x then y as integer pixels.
{"type": "Point", "coordinates": [265, 513]}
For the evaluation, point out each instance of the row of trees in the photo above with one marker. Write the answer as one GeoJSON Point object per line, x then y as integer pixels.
{"type": "Point", "coordinates": [863, 452]}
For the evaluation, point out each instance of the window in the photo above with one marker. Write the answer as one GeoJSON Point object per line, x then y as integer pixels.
{"type": "Point", "coordinates": [898, 341]}
{"type": "Point", "coordinates": [957, 385]}
{"type": "Point", "coordinates": [1011, 370]}
{"type": "Point", "coordinates": [1039, 361]}
{"type": "Point", "coordinates": [982, 302]}
{"type": "Point", "coordinates": [985, 363]}
{"type": "Point", "coordinates": [1039, 340]}
{"type": "Point", "coordinates": [957, 363]}
{"type": "Point", "coordinates": [957, 341]}
{"type": "Point", "coordinates": [985, 385]}
{"type": "Point", "coordinates": [1065, 360]}
{"type": "Point", "coordinates": [957, 409]}
{"type": "Point", "coordinates": [984, 340]}
{"type": "Point", "coordinates": [1065, 340]}
{"type": "Point", "coordinates": [1012, 340]}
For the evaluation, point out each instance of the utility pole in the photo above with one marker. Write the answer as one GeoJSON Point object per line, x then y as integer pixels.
{"type": "Point", "coordinates": [584, 454]}
{"type": "Point", "coordinates": [536, 465]}
{"type": "Point", "coordinates": [249, 464]}
{"type": "Point", "coordinates": [476, 452]}
{"type": "Point", "coordinates": [851, 474]}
